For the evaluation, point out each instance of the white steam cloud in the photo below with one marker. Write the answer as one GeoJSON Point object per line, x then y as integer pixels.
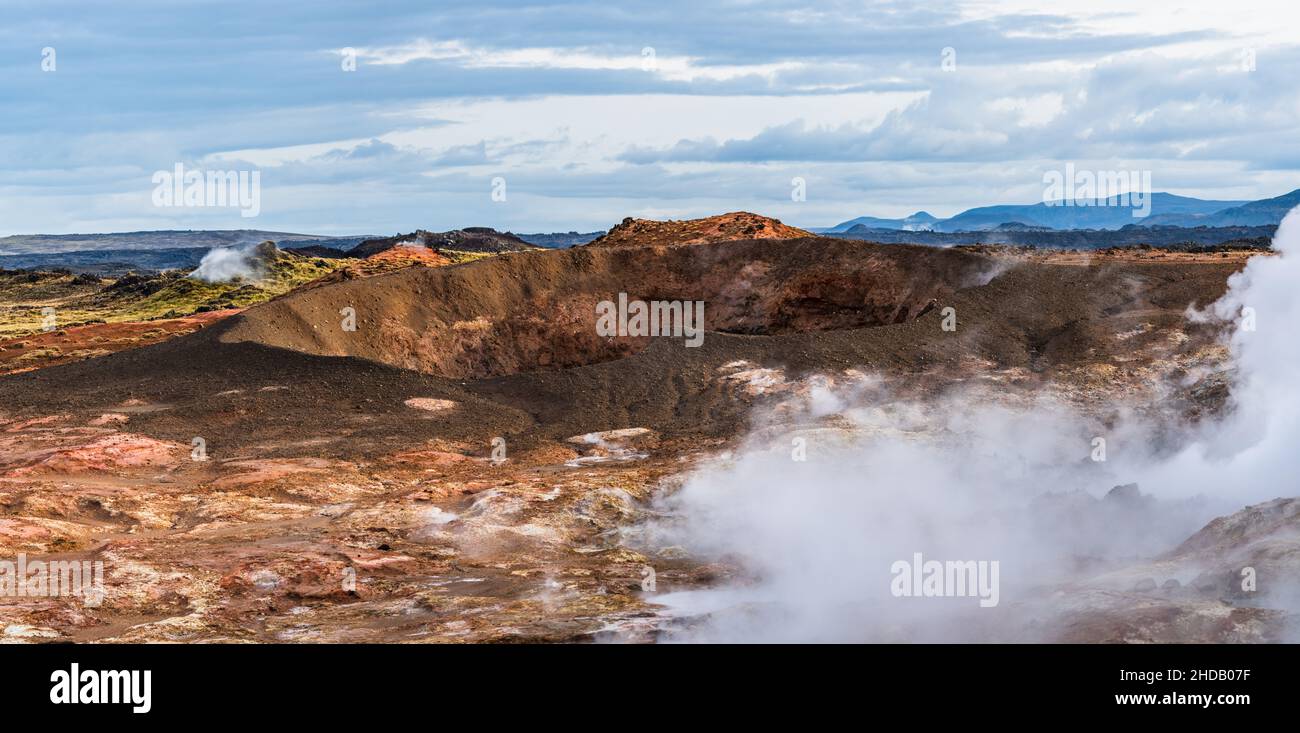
{"type": "Point", "coordinates": [223, 264]}
{"type": "Point", "coordinates": [974, 477]}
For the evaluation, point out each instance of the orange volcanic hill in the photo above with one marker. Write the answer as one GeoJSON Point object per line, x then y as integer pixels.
{"type": "Point", "coordinates": [405, 255]}
{"type": "Point", "coordinates": [722, 228]}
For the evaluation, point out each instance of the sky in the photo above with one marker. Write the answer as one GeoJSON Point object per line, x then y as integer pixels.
{"type": "Point", "coordinates": [379, 118]}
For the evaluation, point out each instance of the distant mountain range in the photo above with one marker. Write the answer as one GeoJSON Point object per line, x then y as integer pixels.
{"type": "Point", "coordinates": [1019, 235]}
{"type": "Point", "coordinates": [560, 240]}
{"type": "Point", "coordinates": [44, 244]}
{"type": "Point", "coordinates": [1160, 209]}
{"type": "Point", "coordinates": [1170, 221]}
{"type": "Point", "coordinates": [1253, 213]}
{"type": "Point", "coordinates": [921, 221]}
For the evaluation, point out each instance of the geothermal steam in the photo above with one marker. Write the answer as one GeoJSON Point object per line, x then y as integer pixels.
{"type": "Point", "coordinates": [223, 264]}
{"type": "Point", "coordinates": [972, 478]}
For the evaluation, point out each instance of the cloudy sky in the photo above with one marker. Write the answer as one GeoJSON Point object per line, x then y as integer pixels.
{"type": "Point", "coordinates": [593, 111]}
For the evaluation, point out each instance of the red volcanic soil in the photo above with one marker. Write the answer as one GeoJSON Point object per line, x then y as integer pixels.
{"type": "Point", "coordinates": [112, 452]}
{"type": "Point", "coordinates": [96, 339]}
{"type": "Point", "coordinates": [722, 228]}
{"type": "Point", "coordinates": [398, 257]}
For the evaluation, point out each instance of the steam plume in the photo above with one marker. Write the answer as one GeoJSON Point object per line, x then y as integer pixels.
{"type": "Point", "coordinates": [972, 477]}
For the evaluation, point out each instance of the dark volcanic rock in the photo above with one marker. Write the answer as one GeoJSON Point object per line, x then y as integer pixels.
{"type": "Point", "coordinates": [469, 239]}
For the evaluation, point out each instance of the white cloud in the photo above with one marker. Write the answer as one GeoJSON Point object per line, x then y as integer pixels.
{"type": "Point", "coordinates": [1034, 111]}
{"type": "Point", "coordinates": [757, 93]}
{"type": "Point", "coordinates": [645, 58]}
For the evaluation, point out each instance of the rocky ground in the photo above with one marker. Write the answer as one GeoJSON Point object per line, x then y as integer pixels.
{"type": "Point", "coordinates": [473, 465]}
{"type": "Point", "coordinates": [724, 227]}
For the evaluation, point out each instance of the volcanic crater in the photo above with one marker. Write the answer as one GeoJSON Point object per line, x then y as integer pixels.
{"type": "Point", "coordinates": [526, 311]}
